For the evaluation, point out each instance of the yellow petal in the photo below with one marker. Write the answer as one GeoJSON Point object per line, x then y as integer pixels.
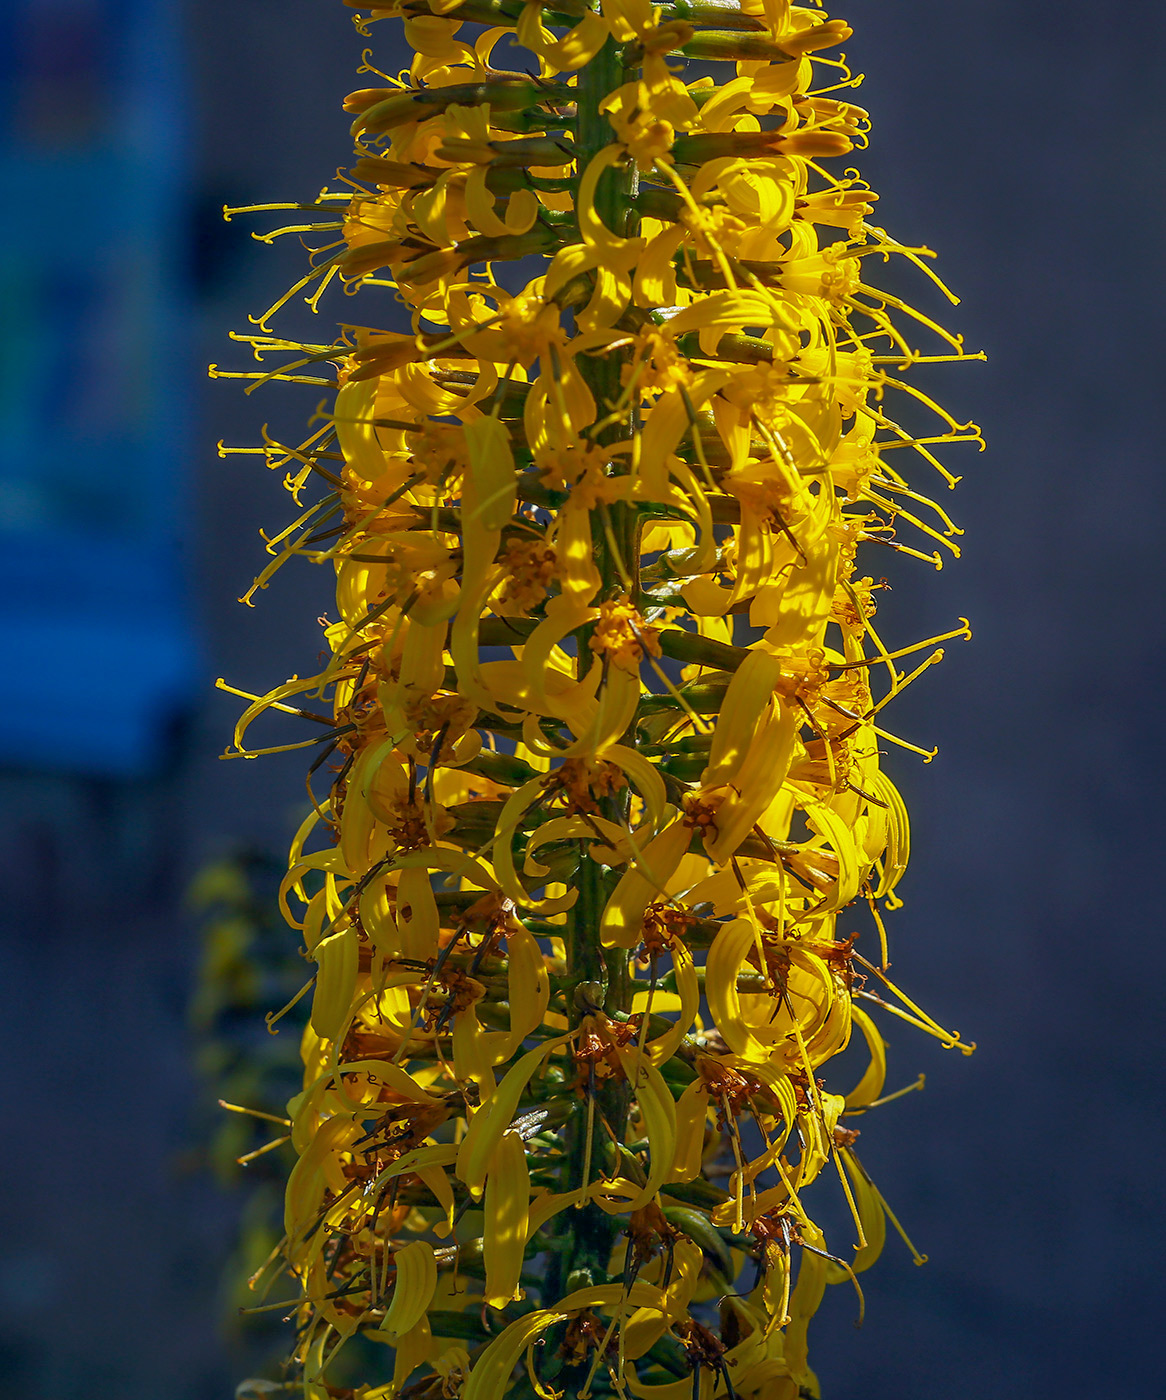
{"type": "Point", "coordinates": [761, 775]}
{"type": "Point", "coordinates": [473, 1053]}
{"type": "Point", "coordinates": [872, 1216]}
{"type": "Point", "coordinates": [529, 989]}
{"type": "Point", "coordinates": [504, 1231]}
{"type": "Point", "coordinates": [413, 1349]}
{"type": "Point", "coordinates": [495, 1116]}
{"type": "Point", "coordinates": [646, 1326]}
{"type": "Point", "coordinates": [416, 1282]}
{"type": "Point", "coordinates": [691, 1120]}
{"type": "Point", "coordinates": [749, 693]}
{"type": "Point", "coordinates": [665, 1046]}
{"type": "Point", "coordinates": [644, 881]}
{"type": "Point", "coordinates": [804, 1302]}
{"type": "Point", "coordinates": [491, 1371]}
{"type": "Point", "coordinates": [307, 1183]}
{"type": "Point", "coordinates": [438, 1182]}
{"type": "Point", "coordinates": [353, 415]}
{"type": "Point", "coordinates": [337, 958]}
{"type": "Point", "coordinates": [658, 1112]}
{"type": "Point", "coordinates": [726, 957]}
{"type": "Point", "coordinates": [870, 1086]}
{"type": "Point", "coordinates": [491, 473]}
{"type": "Point", "coordinates": [417, 916]}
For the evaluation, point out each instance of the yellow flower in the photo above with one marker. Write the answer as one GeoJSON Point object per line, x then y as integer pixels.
{"type": "Point", "coordinates": [605, 703]}
{"type": "Point", "coordinates": [639, 125]}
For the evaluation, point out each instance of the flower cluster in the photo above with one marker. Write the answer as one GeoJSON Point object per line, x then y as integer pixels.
{"type": "Point", "coordinates": [606, 701]}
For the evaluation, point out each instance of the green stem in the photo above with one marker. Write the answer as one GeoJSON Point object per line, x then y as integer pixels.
{"type": "Point", "coordinates": [595, 977]}
{"type": "Point", "coordinates": [615, 204]}
{"type": "Point", "coordinates": [614, 196]}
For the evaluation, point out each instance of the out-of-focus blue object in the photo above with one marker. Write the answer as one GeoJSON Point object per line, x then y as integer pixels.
{"type": "Point", "coordinates": [97, 655]}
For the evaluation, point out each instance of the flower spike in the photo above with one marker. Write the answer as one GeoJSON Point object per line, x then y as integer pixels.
{"type": "Point", "coordinates": [606, 814]}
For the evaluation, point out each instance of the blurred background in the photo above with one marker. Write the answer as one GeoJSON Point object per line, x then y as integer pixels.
{"type": "Point", "coordinates": [1028, 145]}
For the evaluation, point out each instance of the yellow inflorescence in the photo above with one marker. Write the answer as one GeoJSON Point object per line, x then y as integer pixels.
{"type": "Point", "coordinates": [606, 702]}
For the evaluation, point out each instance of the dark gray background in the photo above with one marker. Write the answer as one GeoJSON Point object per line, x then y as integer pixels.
{"type": "Point", "coordinates": [1026, 144]}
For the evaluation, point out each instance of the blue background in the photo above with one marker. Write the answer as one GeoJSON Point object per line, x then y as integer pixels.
{"type": "Point", "coordinates": [1027, 144]}
{"type": "Point", "coordinates": [95, 448]}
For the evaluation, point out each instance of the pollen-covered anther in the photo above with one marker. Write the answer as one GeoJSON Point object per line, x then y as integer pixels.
{"type": "Point", "coordinates": [762, 390]}
{"type": "Point", "coordinates": [802, 677]}
{"type": "Point", "coordinates": [530, 566]}
{"type": "Point", "coordinates": [700, 809]}
{"type": "Point", "coordinates": [774, 1229]}
{"type": "Point", "coordinates": [647, 135]}
{"type": "Point", "coordinates": [584, 783]}
{"type": "Point", "coordinates": [649, 1230]}
{"type": "Point", "coordinates": [403, 581]}
{"type": "Point", "coordinates": [847, 602]}
{"type": "Point", "coordinates": [596, 1052]}
{"type": "Point", "coordinates": [439, 453]}
{"type": "Point", "coordinates": [583, 1335]}
{"type": "Point", "coordinates": [493, 918]}
{"type": "Point", "coordinates": [446, 715]}
{"type": "Point", "coordinates": [450, 994]}
{"type": "Point", "coordinates": [702, 1347]}
{"type": "Point", "coordinates": [663, 925]}
{"type": "Point", "coordinates": [658, 364]}
{"type": "Point", "coordinates": [713, 228]}
{"type": "Point", "coordinates": [580, 468]}
{"type": "Point", "coordinates": [409, 829]}
{"type": "Point", "coordinates": [778, 961]}
{"type": "Point", "coordinates": [730, 1088]}
{"type": "Point", "coordinates": [622, 635]}
{"type": "Point", "coordinates": [528, 327]}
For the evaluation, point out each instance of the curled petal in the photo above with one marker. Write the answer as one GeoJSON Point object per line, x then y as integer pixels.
{"type": "Point", "coordinates": [505, 1230]}
{"type": "Point", "coordinates": [413, 1290]}
{"type": "Point", "coordinates": [646, 880]}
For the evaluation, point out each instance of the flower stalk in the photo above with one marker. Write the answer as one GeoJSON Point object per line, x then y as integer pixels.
{"type": "Point", "coordinates": [599, 816]}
